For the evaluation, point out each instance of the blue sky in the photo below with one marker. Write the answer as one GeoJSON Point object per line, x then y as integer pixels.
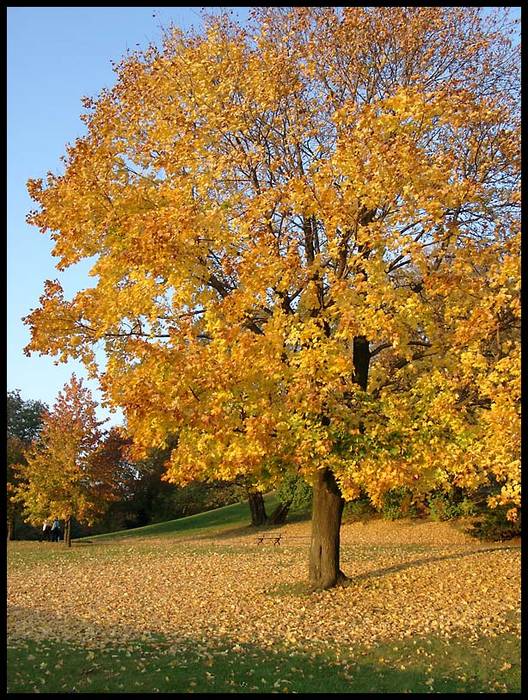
{"type": "Point", "coordinates": [55, 56]}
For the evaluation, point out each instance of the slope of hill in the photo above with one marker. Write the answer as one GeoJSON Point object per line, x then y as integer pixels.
{"type": "Point", "coordinates": [230, 517]}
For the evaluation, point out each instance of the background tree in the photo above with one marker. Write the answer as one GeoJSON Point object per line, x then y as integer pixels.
{"type": "Point", "coordinates": [151, 498]}
{"type": "Point", "coordinates": [293, 493]}
{"type": "Point", "coordinates": [307, 243]}
{"type": "Point", "coordinates": [142, 496]}
{"type": "Point", "coordinates": [68, 472]}
{"type": "Point", "coordinates": [24, 421]}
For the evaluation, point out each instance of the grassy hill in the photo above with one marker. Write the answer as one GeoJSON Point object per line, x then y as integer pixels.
{"type": "Point", "coordinates": [234, 516]}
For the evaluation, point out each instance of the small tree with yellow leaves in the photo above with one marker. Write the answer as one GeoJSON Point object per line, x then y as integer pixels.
{"type": "Point", "coordinates": [66, 474]}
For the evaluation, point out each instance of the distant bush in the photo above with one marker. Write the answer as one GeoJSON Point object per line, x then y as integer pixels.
{"type": "Point", "coordinates": [295, 491]}
{"type": "Point", "coordinates": [303, 496]}
{"type": "Point", "coordinates": [443, 506]}
{"type": "Point", "coordinates": [493, 525]}
{"type": "Point", "coordinates": [24, 531]}
{"type": "Point", "coordinates": [359, 509]}
{"type": "Point", "coordinates": [398, 503]}
{"type": "Point", "coordinates": [467, 507]}
{"type": "Point", "coordinates": [454, 503]}
{"type": "Point", "coordinates": [198, 496]}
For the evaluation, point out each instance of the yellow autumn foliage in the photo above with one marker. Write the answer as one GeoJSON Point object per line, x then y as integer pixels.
{"type": "Point", "coordinates": [257, 199]}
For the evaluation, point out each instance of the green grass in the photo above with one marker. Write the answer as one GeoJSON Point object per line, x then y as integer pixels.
{"type": "Point", "coordinates": [417, 666]}
{"type": "Point", "coordinates": [230, 517]}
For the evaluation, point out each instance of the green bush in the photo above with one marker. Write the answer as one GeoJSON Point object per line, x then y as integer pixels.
{"type": "Point", "coordinates": [454, 503]}
{"type": "Point", "coordinates": [398, 503]}
{"type": "Point", "coordinates": [493, 525]}
{"type": "Point", "coordinates": [303, 496]}
{"type": "Point", "coordinates": [359, 509]}
{"type": "Point", "coordinates": [295, 491]}
{"type": "Point", "coordinates": [443, 506]}
{"type": "Point", "coordinates": [467, 507]}
{"type": "Point", "coordinates": [199, 496]}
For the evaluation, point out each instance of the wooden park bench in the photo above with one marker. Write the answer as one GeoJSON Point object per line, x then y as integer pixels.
{"type": "Point", "coordinates": [276, 538]}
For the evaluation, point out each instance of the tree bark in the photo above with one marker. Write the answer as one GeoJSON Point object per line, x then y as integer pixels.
{"type": "Point", "coordinates": [361, 359]}
{"type": "Point", "coordinates": [67, 532]}
{"type": "Point", "coordinates": [11, 528]}
{"type": "Point", "coordinates": [278, 517]}
{"type": "Point", "coordinates": [324, 571]}
{"type": "Point", "coordinates": [257, 508]}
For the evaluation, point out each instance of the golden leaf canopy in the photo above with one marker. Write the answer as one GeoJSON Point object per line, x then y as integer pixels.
{"type": "Point", "coordinates": [259, 200]}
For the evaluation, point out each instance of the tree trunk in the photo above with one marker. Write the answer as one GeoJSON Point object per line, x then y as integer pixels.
{"type": "Point", "coordinates": [278, 517]}
{"type": "Point", "coordinates": [11, 527]}
{"type": "Point", "coordinates": [361, 359]}
{"type": "Point", "coordinates": [67, 532]}
{"type": "Point", "coordinates": [257, 507]}
{"type": "Point", "coordinates": [324, 571]}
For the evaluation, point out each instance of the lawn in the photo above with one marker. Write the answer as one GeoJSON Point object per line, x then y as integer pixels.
{"type": "Point", "coordinates": [195, 605]}
{"type": "Point", "coordinates": [217, 520]}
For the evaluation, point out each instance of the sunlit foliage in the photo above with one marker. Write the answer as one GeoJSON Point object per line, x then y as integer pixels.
{"type": "Point", "coordinates": [69, 471]}
{"type": "Point", "coordinates": [260, 202]}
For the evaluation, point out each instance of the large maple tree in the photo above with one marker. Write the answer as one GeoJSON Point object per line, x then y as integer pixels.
{"type": "Point", "coordinates": [306, 243]}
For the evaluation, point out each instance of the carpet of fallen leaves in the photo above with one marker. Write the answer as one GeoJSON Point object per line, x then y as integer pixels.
{"type": "Point", "coordinates": [406, 580]}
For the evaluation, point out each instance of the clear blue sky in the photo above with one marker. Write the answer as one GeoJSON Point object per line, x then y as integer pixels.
{"type": "Point", "coordinates": [55, 56]}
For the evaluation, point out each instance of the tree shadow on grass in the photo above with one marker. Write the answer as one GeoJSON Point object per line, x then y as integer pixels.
{"type": "Point", "coordinates": [386, 571]}
{"type": "Point", "coordinates": [156, 663]}
{"type": "Point", "coordinates": [301, 588]}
